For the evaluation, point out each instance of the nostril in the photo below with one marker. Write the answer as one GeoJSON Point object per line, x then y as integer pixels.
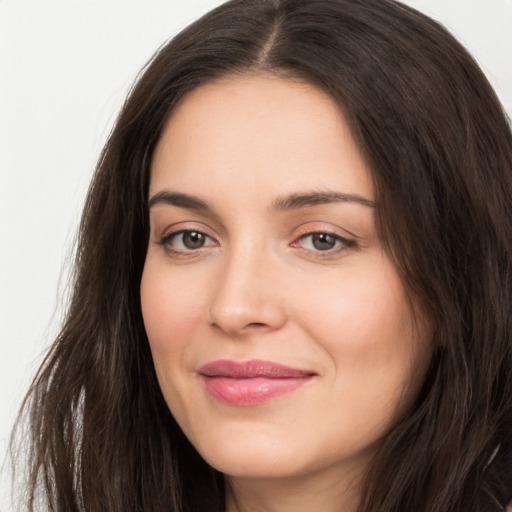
{"type": "Point", "coordinates": [235, 315]}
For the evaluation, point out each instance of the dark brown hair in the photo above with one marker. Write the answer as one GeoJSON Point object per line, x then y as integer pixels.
{"type": "Point", "coordinates": [439, 147]}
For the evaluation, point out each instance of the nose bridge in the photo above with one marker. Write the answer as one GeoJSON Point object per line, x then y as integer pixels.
{"type": "Point", "coordinates": [246, 296]}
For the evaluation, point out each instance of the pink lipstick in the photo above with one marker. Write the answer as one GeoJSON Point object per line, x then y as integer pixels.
{"type": "Point", "coordinates": [251, 382]}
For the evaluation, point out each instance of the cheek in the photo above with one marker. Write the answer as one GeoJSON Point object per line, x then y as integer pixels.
{"type": "Point", "coordinates": [171, 306]}
{"type": "Point", "coordinates": [363, 321]}
{"type": "Point", "coordinates": [362, 309]}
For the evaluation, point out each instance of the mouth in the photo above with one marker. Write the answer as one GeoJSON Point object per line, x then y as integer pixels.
{"type": "Point", "coordinates": [251, 382]}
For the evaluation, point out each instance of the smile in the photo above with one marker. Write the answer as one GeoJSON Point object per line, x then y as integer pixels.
{"type": "Point", "coordinates": [251, 382]}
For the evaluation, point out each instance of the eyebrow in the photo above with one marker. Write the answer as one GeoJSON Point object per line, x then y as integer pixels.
{"type": "Point", "coordinates": [296, 201]}
{"type": "Point", "coordinates": [284, 203]}
{"type": "Point", "coordinates": [180, 200]}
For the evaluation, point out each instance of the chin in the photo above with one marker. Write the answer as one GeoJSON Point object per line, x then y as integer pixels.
{"type": "Point", "coordinates": [253, 456]}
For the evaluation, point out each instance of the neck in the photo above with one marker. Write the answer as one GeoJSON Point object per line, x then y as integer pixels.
{"type": "Point", "coordinates": [328, 493]}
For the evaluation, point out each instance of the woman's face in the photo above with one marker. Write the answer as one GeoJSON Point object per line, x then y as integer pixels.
{"type": "Point", "coordinates": [281, 334]}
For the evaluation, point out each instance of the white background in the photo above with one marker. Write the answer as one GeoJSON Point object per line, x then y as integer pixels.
{"type": "Point", "coordinates": [65, 68]}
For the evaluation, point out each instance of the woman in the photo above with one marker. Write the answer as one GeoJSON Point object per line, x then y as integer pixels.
{"type": "Point", "coordinates": [294, 276]}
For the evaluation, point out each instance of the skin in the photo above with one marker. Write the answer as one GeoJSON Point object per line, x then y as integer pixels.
{"type": "Point", "coordinates": [261, 288]}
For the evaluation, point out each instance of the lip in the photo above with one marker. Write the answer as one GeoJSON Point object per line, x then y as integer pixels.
{"type": "Point", "coordinates": [251, 382]}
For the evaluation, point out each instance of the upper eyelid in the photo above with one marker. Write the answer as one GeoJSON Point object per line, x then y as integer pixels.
{"type": "Point", "coordinates": [345, 240]}
{"type": "Point", "coordinates": [185, 226]}
{"type": "Point", "coordinates": [304, 230]}
{"type": "Point", "coordinates": [330, 233]}
{"type": "Point", "coordinates": [169, 235]}
{"type": "Point", "coordinates": [296, 237]}
{"type": "Point", "coordinates": [159, 228]}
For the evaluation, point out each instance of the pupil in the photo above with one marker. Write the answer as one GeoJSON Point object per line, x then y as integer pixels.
{"type": "Point", "coordinates": [323, 241]}
{"type": "Point", "coordinates": [193, 240]}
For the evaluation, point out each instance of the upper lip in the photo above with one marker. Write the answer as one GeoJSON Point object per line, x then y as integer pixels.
{"type": "Point", "coordinates": [251, 369]}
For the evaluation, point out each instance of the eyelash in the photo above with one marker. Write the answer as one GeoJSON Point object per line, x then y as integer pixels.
{"type": "Point", "coordinates": [344, 243]}
{"type": "Point", "coordinates": [167, 239]}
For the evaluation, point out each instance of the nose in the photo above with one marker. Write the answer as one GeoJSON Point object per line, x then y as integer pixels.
{"type": "Point", "coordinates": [247, 297]}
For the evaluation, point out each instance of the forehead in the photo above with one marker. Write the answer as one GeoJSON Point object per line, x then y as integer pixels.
{"type": "Point", "coordinates": [259, 131]}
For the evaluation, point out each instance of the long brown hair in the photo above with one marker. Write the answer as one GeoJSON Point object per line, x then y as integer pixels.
{"type": "Point", "coordinates": [439, 147]}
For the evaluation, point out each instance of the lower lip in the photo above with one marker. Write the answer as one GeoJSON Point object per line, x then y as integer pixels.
{"type": "Point", "coordinates": [252, 391]}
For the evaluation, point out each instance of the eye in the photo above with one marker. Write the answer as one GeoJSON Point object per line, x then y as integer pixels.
{"type": "Point", "coordinates": [324, 242]}
{"type": "Point", "coordinates": [186, 240]}
{"type": "Point", "coordinates": [320, 241]}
